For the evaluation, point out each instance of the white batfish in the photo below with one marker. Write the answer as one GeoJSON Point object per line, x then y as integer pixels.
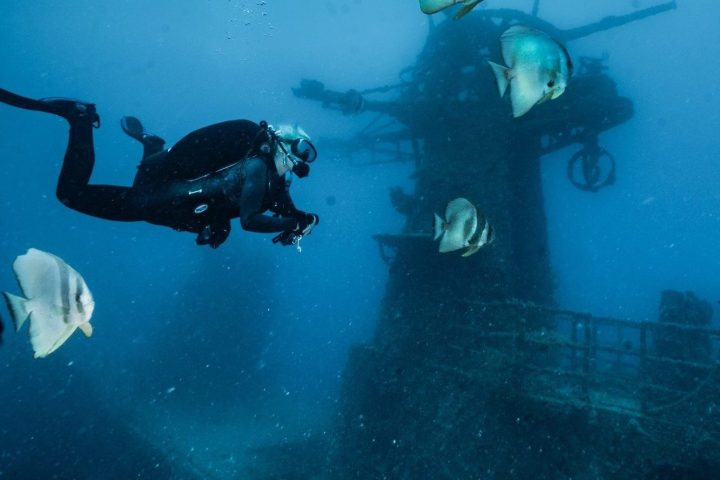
{"type": "Point", "coordinates": [538, 68]}
{"type": "Point", "coordinates": [58, 300]}
{"type": "Point", "coordinates": [458, 226]}
{"type": "Point", "coordinates": [434, 6]}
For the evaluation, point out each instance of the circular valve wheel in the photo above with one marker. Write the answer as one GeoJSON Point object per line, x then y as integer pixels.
{"type": "Point", "coordinates": [591, 169]}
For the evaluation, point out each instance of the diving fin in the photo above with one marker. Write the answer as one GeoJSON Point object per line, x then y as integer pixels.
{"type": "Point", "coordinates": [134, 129]}
{"type": "Point", "coordinates": [70, 109]}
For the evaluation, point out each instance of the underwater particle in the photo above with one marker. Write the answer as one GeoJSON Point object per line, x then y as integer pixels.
{"type": "Point", "coordinates": [170, 390]}
{"type": "Point", "coordinates": [330, 200]}
{"type": "Point", "coordinates": [648, 200]}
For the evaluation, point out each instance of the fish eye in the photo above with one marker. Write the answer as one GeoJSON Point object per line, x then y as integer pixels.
{"type": "Point", "coordinates": [551, 83]}
{"type": "Point", "coordinates": [77, 297]}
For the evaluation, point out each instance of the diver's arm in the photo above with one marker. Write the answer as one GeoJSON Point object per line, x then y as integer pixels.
{"type": "Point", "coordinates": [251, 201]}
{"type": "Point", "coordinates": [285, 205]}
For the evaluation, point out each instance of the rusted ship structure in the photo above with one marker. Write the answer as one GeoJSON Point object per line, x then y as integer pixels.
{"type": "Point", "coordinates": [474, 372]}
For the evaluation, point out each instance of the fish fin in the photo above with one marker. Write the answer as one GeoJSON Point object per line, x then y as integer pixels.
{"type": "Point", "coordinates": [525, 92]}
{"type": "Point", "coordinates": [457, 206]}
{"type": "Point", "coordinates": [481, 237]}
{"type": "Point", "coordinates": [508, 42]}
{"type": "Point", "coordinates": [48, 332]}
{"type": "Point", "coordinates": [36, 272]}
{"type": "Point", "coordinates": [501, 75]}
{"type": "Point", "coordinates": [472, 249]}
{"type": "Point", "coordinates": [438, 226]}
{"type": "Point", "coordinates": [468, 5]}
{"type": "Point", "coordinates": [520, 30]}
{"type": "Point", "coordinates": [433, 6]}
{"type": "Point", "coordinates": [86, 328]}
{"type": "Point", "coordinates": [489, 234]}
{"type": "Point", "coordinates": [18, 309]}
{"type": "Point", "coordinates": [556, 93]}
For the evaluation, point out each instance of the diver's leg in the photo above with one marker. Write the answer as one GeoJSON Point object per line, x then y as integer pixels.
{"type": "Point", "coordinates": [104, 201]}
{"type": "Point", "coordinates": [152, 143]}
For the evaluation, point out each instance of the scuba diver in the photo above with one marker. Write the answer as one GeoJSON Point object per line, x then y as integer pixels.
{"type": "Point", "coordinates": [231, 169]}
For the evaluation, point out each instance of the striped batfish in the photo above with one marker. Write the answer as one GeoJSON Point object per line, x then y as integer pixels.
{"type": "Point", "coordinates": [458, 226]}
{"type": "Point", "coordinates": [538, 68]}
{"type": "Point", "coordinates": [57, 300]}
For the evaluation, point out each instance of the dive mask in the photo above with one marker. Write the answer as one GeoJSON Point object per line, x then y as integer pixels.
{"type": "Point", "coordinates": [301, 153]}
{"type": "Point", "coordinates": [303, 149]}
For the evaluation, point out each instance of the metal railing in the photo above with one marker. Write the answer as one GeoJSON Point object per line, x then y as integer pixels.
{"type": "Point", "coordinates": [603, 362]}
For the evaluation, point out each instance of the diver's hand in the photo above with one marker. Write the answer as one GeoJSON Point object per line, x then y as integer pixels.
{"type": "Point", "coordinates": [306, 223]}
{"type": "Point", "coordinates": [288, 237]}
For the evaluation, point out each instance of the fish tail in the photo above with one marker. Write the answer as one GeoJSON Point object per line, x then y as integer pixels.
{"type": "Point", "coordinates": [501, 75]}
{"type": "Point", "coordinates": [18, 309]}
{"type": "Point", "coordinates": [468, 5]}
{"type": "Point", "coordinates": [438, 226]}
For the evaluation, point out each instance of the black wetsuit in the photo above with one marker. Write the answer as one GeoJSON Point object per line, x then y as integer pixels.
{"type": "Point", "coordinates": [209, 177]}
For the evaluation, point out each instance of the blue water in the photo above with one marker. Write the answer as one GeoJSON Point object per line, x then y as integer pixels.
{"type": "Point", "coordinates": [195, 349]}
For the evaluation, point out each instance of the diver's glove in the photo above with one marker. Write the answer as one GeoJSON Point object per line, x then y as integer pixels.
{"type": "Point", "coordinates": [288, 237]}
{"type": "Point", "coordinates": [306, 223]}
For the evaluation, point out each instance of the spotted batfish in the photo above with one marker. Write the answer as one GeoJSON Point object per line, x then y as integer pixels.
{"type": "Point", "coordinates": [458, 226]}
{"type": "Point", "coordinates": [57, 300]}
{"type": "Point", "coordinates": [538, 68]}
{"type": "Point", "coordinates": [434, 6]}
